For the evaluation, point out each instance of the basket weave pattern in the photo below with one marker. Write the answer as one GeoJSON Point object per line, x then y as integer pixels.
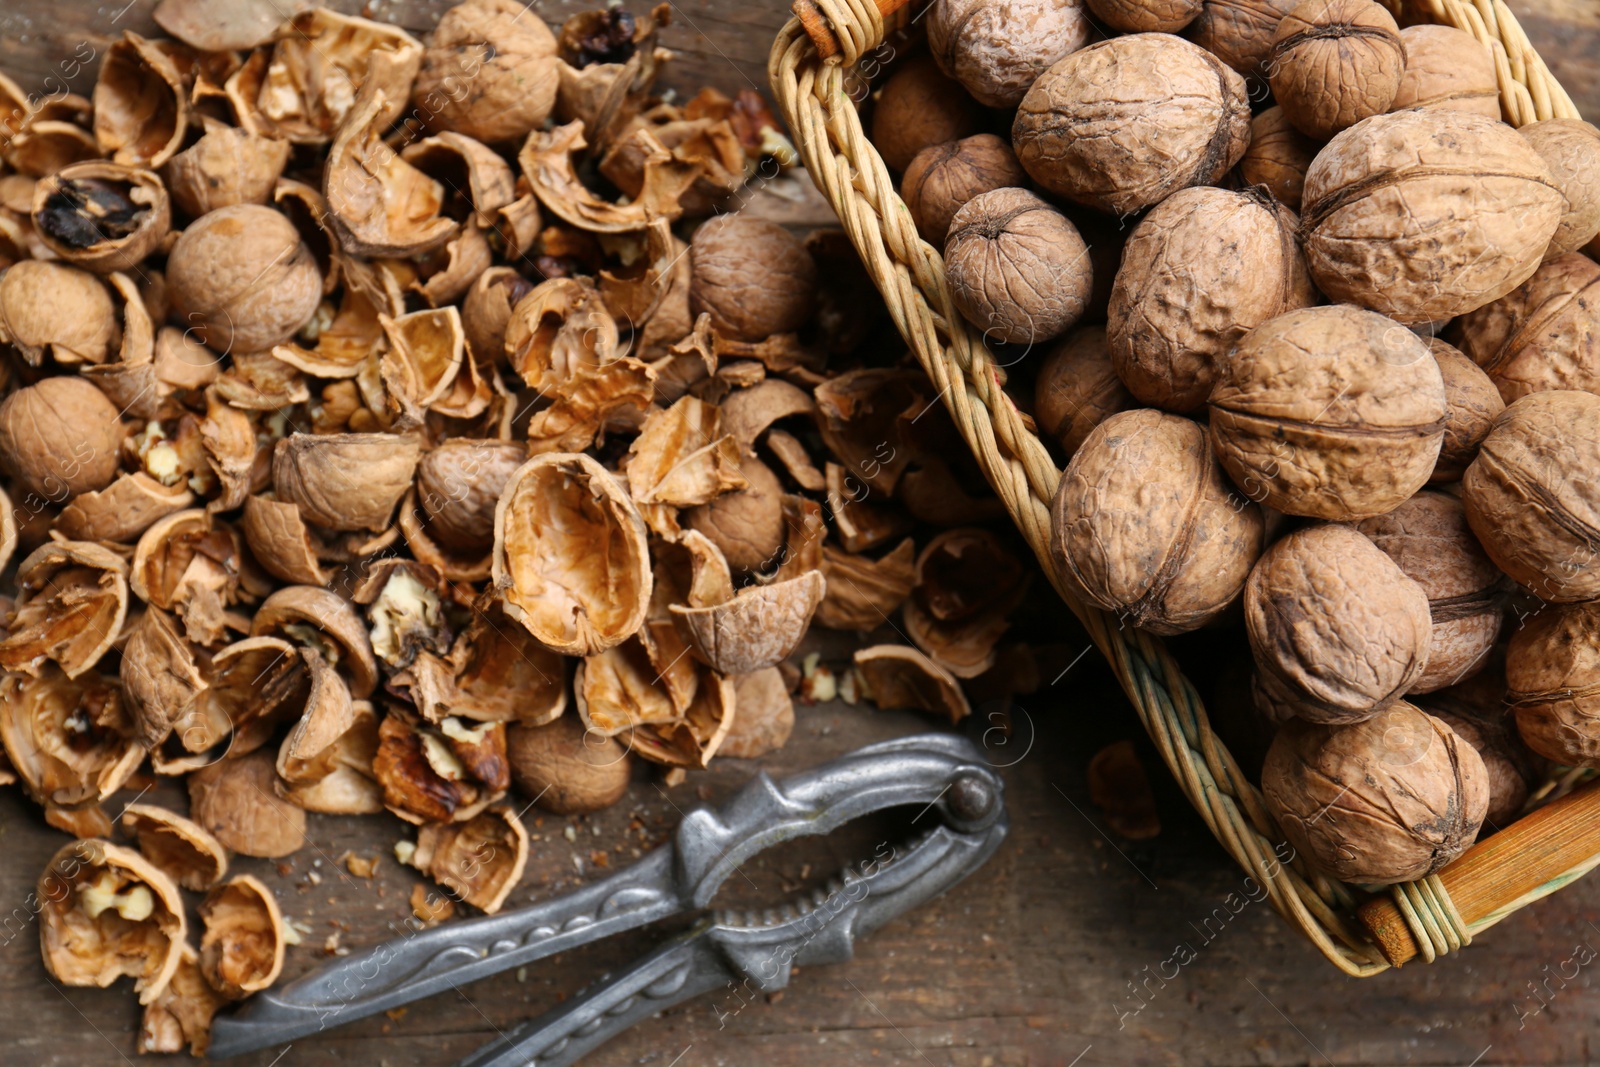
{"type": "Point", "coordinates": [817, 101]}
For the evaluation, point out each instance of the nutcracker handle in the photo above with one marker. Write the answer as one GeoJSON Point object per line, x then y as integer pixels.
{"type": "Point", "coordinates": [821, 31]}
{"type": "Point", "coordinates": [1535, 849]}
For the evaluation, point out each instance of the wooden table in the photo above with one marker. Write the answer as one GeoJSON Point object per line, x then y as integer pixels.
{"type": "Point", "coordinates": [1063, 950]}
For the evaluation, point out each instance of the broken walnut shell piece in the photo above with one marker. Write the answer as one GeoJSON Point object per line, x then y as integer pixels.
{"type": "Point", "coordinates": [380, 204]}
{"type": "Point", "coordinates": [479, 861]}
{"type": "Point", "coordinates": [486, 310]}
{"type": "Point", "coordinates": [56, 308]}
{"type": "Point", "coordinates": [495, 672]}
{"type": "Point", "coordinates": [345, 481]}
{"type": "Point", "coordinates": [349, 787]}
{"type": "Point", "coordinates": [954, 617]}
{"type": "Point", "coordinates": [341, 347]}
{"type": "Point", "coordinates": [280, 541]}
{"type": "Point", "coordinates": [405, 609]}
{"type": "Point", "coordinates": [307, 753]}
{"type": "Point", "coordinates": [454, 565]}
{"type": "Point", "coordinates": [561, 326]}
{"type": "Point", "coordinates": [859, 414]}
{"type": "Point", "coordinates": [184, 850]}
{"type": "Point", "coordinates": [758, 628]}
{"type": "Point", "coordinates": [578, 415]}
{"type": "Point", "coordinates": [122, 510]}
{"type": "Point", "coordinates": [566, 768]}
{"type": "Point", "coordinates": [695, 738]}
{"type": "Point", "coordinates": [8, 534]}
{"type": "Point", "coordinates": [72, 598]}
{"type": "Point", "coordinates": [190, 563]}
{"type": "Point", "coordinates": [747, 413]}
{"type": "Point", "coordinates": [107, 912]}
{"type": "Point", "coordinates": [470, 167]}
{"type": "Point", "coordinates": [863, 592]}
{"type": "Point", "coordinates": [242, 944]}
{"type": "Point", "coordinates": [141, 105]}
{"type": "Point", "coordinates": [327, 623]}
{"type": "Point", "coordinates": [45, 146]}
{"type": "Point", "coordinates": [619, 689]}
{"type": "Point", "coordinates": [160, 680]}
{"type": "Point", "coordinates": [546, 160]}
{"type": "Point", "coordinates": [766, 715]}
{"type": "Point", "coordinates": [898, 676]}
{"type": "Point", "coordinates": [69, 739]}
{"type": "Point", "coordinates": [570, 558]}
{"type": "Point", "coordinates": [237, 800]}
{"type": "Point", "coordinates": [226, 166]}
{"type": "Point", "coordinates": [221, 26]}
{"type": "Point", "coordinates": [228, 439]}
{"type": "Point", "coordinates": [102, 216]}
{"type": "Point", "coordinates": [682, 459]}
{"type": "Point", "coordinates": [183, 1011]}
{"type": "Point", "coordinates": [307, 210]}
{"type": "Point", "coordinates": [424, 357]}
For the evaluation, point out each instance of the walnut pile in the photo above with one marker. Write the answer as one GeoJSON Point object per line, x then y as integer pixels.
{"type": "Point", "coordinates": [390, 423]}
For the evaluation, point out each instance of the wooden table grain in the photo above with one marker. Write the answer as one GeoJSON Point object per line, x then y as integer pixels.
{"type": "Point", "coordinates": [1072, 946]}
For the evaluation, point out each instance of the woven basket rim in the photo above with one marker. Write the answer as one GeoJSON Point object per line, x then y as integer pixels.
{"type": "Point", "coordinates": [817, 103]}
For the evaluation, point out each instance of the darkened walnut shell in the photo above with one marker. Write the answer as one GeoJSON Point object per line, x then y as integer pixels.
{"type": "Point", "coordinates": [1334, 63]}
{"type": "Point", "coordinates": [102, 216]}
{"type": "Point", "coordinates": [1391, 799]}
{"type": "Point", "coordinates": [1471, 403]}
{"type": "Point", "coordinates": [1336, 623]}
{"type": "Point", "coordinates": [1239, 32]}
{"type": "Point", "coordinates": [489, 72]}
{"type": "Point", "coordinates": [1330, 413]}
{"type": "Point", "coordinates": [943, 177]}
{"type": "Point", "coordinates": [1278, 157]}
{"type": "Point", "coordinates": [1571, 149]}
{"type": "Point", "coordinates": [996, 48]}
{"type": "Point", "coordinates": [458, 485]}
{"type": "Point", "coordinates": [1017, 268]}
{"type": "Point", "coordinates": [1120, 125]}
{"type": "Point", "coordinates": [752, 276]}
{"type": "Point", "coordinates": [58, 438]}
{"type": "Point", "coordinates": [71, 602]}
{"type": "Point", "coordinates": [242, 279]}
{"type": "Point", "coordinates": [567, 768]}
{"type": "Point", "coordinates": [1553, 671]}
{"type": "Point", "coordinates": [1543, 335]}
{"type": "Point", "coordinates": [1146, 526]}
{"type": "Point", "coordinates": [1146, 16]}
{"type": "Point", "coordinates": [70, 740]}
{"type": "Point", "coordinates": [917, 107]}
{"type": "Point", "coordinates": [1078, 388]}
{"type": "Point", "coordinates": [1447, 68]}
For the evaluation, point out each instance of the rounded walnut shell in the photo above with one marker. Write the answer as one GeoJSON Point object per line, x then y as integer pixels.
{"type": "Point", "coordinates": [1571, 149]}
{"type": "Point", "coordinates": [1532, 498]}
{"type": "Point", "coordinates": [1471, 404]}
{"type": "Point", "coordinates": [1447, 68]}
{"type": "Point", "coordinates": [55, 307]}
{"type": "Point", "coordinates": [102, 216]}
{"type": "Point", "coordinates": [226, 166]}
{"type": "Point", "coordinates": [1145, 525]}
{"type": "Point", "coordinates": [1239, 32]}
{"type": "Point", "coordinates": [747, 524]}
{"type": "Point", "coordinates": [345, 481]}
{"type": "Point", "coordinates": [458, 485]}
{"type": "Point", "coordinates": [59, 437]}
{"type": "Point", "coordinates": [1202, 269]}
{"type": "Point", "coordinates": [945, 176]}
{"type": "Point", "coordinates": [567, 768]}
{"type": "Point", "coordinates": [1429, 538]}
{"type": "Point", "coordinates": [1278, 157]}
{"type": "Point", "coordinates": [1507, 763]}
{"type": "Point", "coordinates": [242, 278]}
{"type": "Point", "coordinates": [1426, 214]}
{"type": "Point", "coordinates": [752, 276]}
{"type": "Point", "coordinates": [1336, 623]}
{"type": "Point", "coordinates": [1329, 412]}
{"type": "Point", "coordinates": [917, 107]}
{"type": "Point", "coordinates": [1146, 16]}
{"type": "Point", "coordinates": [1553, 671]}
{"type": "Point", "coordinates": [242, 943]}
{"type": "Point", "coordinates": [1077, 388]}
{"type": "Point", "coordinates": [489, 72]}
{"type": "Point", "coordinates": [1017, 268]}
{"type": "Point", "coordinates": [996, 48]}
{"type": "Point", "coordinates": [1543, 335]}
{"type": "Point", "coordinates": [1120, 125]}
{"type": "Point", "coordinates": [1391, 799]}
{"type": "Point", "coordinates": [1334, 63]}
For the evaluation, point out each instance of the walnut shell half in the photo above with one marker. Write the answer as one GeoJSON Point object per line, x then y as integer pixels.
{"type": "Point", "coordinates": [69, 739]}
{"type": "Point", "coordinates": [72, 598]}
{"type": "Point", "coordinates": [479, 861]}
{"type": "Point", "coordinates": [757, 628]}
{"type": "Point", "coordinates": [346, 481]}
{"type": "Point", "coordinates": [241, 949]}
{"type": "Point", "coordinates": [102, 216]}
{"type": "Point", "coordinates": [237, 800]}
{"type": "Point", "coordinates": [184, 850]}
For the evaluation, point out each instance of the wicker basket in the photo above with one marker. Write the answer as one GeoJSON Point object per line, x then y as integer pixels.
{"type": "Point", "coordinates": [818, 98]}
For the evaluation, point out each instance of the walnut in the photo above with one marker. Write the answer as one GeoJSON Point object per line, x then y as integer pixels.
{"type": "Point", "coordinates": [226, 166]}
{"type": "Point", "coordinates": [898, 676]}
{"type": "Point", "coordinates": [1426, 214]}
{"type": "Point", "coordinates": [1077, 388]}
{"type": "Point", "coordinates": [458, 485]}
{"type": "Point", "coordinates": [1329, 412]}
{"type": "Point", "coordinates": [1553, 671]}
{"type": "Point", "coordinates": [141, 104]}
{"type": "Point", "coordinates": [747, 524]}
{"type": "Point", "coordinates": [381, 205]}
{"type": "Point", "coordinates": [1017, 268]}
{"type": "Point", "coordinates": [567, 769]}
{"type": "Point", "coordinates": [1391, 799]}
{"type": "Point", "coordinates": [1531, 497]}
{"type": "Point", "coordinates": [1146, 16]}
{"type": "Point", "coordinates": [1145, 526]}
{"type": "Point", "coordinates": [1239, 32]}
{"type": "Point", "coordinates": [346, 481]}
{"type": "Point", "coordinates": [1471, 404]}
{"type": "Point", "coordinates": [943, 177]}
{"type": "Point", "coordinates": [917, 107]}
{"type": "Point", "coordinates": [1123, 123]}
{"type": "Point", "coordinates": [479, 861]}
{"type": "Point", "coordinates": [1510, 767]}
{"type": "Point", "coordinates": [221, 25]}
{"type": "Point", "coordinates": [1278, 157]}
{"type": "Point", "coordinates": [106, 912]}
{"type": "Point", "coordinates": [1447, 68]}
{"type": "Point", "coordinates": [242, 940]}
{"type": "Point", "coordinates": [349, 785]}
{"type": "Point", "coordinates": [1544, 334]}
{"type": "Point", "coordinates": [182, 849]}
{"type": "Point", "coordinates": [237, 800]}
{"type": "Point", "coordinates": [57, 308]}
{"type": "Point", "coordinates": [243, 279]}
{"type": "Point", "coordinates": [72, 599]}
{"type": "Point", "coordinates": [1202, 269]}
{"type": "Point", "coordinates": [59, 437]}
{"type": "Point", "coordinates": [489, 72]}
{"type": "Point", "coordinates": [766, 715]}
{"type": "Point", "coordinates": [1571, 149]}
{"type": "Point", "coordinates": [102, 216]}
{"type": "Point", "coordinates": [756, 628]}
{"type": "Point", "coordinates": [1333, 63]}
{"type": "Point", "coordinates": [752, 277]}
{"type": "Point", "coordinates": [996, 48]}
{"type": "Point", "coordinates": [69, 740]}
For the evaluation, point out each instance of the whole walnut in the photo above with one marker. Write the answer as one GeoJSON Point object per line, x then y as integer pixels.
{"type": "Point", "coordinates": [1146, 16]}
{"type": "Point", "coordinates": [1571, 149]}
{"type": "Point", "coordinates": [566, 768]}
{"type": "Point", "coordinates": [917, 107]}
{"type": "Point", "coordinates": [1017, 268]}
{"type": "Point", "coordinates": [1391, 799]}
{"type": "Point", "coordinates": [1239, 32]}
{"type": "Point", "coordinates": [752, 276]}
{"type": "Point", "coordinates": [1429, 538]}
{"type": "Point", "coordinates": [1532, 497]}
{"type": "Point", "coordinates": [1426, 214]}
{"type": "Point", "coordinates": [1120, 125]}
{"type": "Point", "coordinates": [943, 177]}
{"type": "Point", "coordinates": [1077, 388]}
{"type": "Point", "coordinates": [489, 71]}
{"type": "Point", "coordinates": [1507, 763]}
{"type": "Point", "coordinates": [242, 279]}
{"type": "Point", "coordinates": [1544, 334]}
{"type": "Point", "coordinates": [47, 306]}
{"type": "Point", "coordinates": [996, 48]}
{"type": "Point", "coordinates": [1447, 68]}
{"type": "Point", "coordinates": [1471, 404]}
{"type": "Point", "coordinates": [58, 438]}
{"type": "Point", "coordinates": [746, 524]}
{"type": "Point", "coordinates": [458, 485]}
{"type": "Point", "coordinates": [1553, 671]}
{"type": "Point", "coordinates": [1334, 621]}
{"type": "Point", "coordinates": [1146, 527]}
{"type": "Point", "coordinates": [1329, 412]}
{"type": "Point", "coordinates": [1278, 157]}
{"type": "Point", "coordinates": [1333, 63]}
{"type": "Point", "coordinates": [1202, 269]}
